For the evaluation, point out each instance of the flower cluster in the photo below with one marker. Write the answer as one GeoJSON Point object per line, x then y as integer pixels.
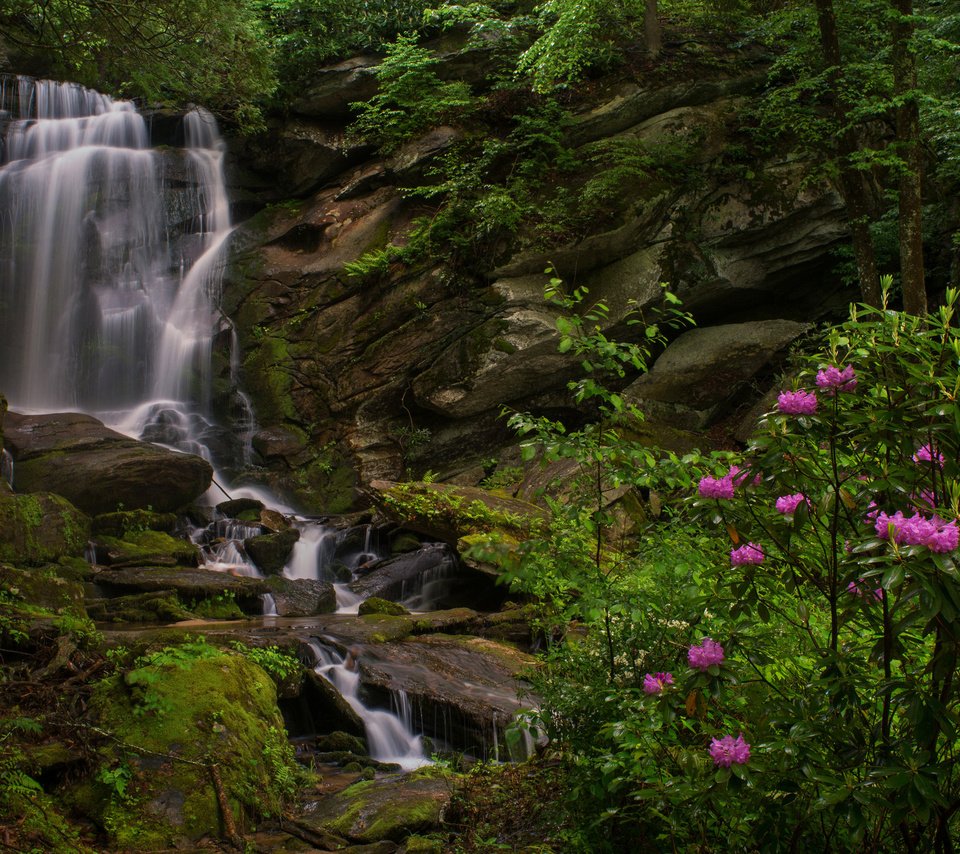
{"type": "Point", "coordinates": [704, 656]}
{"type": "Point", "coordinates": [832, 380]}
{"type": "Point", "coordinates": [716, 487]}
{"type": "Point", "coordinates": [729, 751]}
{"type": "Point", "coordinates": [746, 554]}
{"type": "Point", "coordinates": [788, 504]}
{"type": "Point", "coordinates": [928, 454]}
{"type": "Point", "coordinates": [797, 402]}
{"type": "Point", "coordinates": [935, 533]}
{"type": "Point", "coordinates": [656, 683]}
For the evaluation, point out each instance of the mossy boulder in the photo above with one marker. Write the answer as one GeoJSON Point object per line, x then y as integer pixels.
{"type": "Point", "coordinates": [183, 711]}
{"type": "Point", "coordinates": [376, 605]}
{"type": "Point", "coordinates": [393, 807]}
{"type": "Point", "coordinates": [146, 548]}
{"type": "Point", "coordinates": [190, 584]}
{"type": "Point", "coordinates": [123, 522]}
{"type": "Point", "coordinates": [270, 552]}
{"type": "Point", "coordinates": [40, 528]}
{"type": "Point", "coordinates": [43, 588]}
{"type": "Point", "coordinates": [161, 606]}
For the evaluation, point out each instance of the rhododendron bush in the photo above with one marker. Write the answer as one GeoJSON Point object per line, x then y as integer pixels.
{"type": "Point", "coordinates": [779, 666]}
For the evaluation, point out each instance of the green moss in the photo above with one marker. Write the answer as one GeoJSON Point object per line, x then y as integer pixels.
{"type": "Point", "coordinates": [376, 605]}
{"type": "Point", "coordinates": [149, 548]}
{"type": "Point", "coordinates": [177, 712]}
{"type": "Point", "coordinates": [39, 528]}
{"type": "Point", "coordinates": [268, 371]}
{"type": "Point", "coordinates": [124, 522]}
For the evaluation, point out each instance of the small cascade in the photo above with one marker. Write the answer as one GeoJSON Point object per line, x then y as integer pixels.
{"type": "Point", "coordinates": [430, 586]}
{"type": "Point", "coordinates": [269, 605]}
{"type": "Point", "coordinates": [221, 544]}
{"type": "Point", "coordinates": [6, 466]}
{"type": "Point", "coordinates": [389, 736]}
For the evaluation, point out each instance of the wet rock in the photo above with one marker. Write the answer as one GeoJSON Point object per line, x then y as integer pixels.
{"type": "Point", "coordinates": [333, 89]}
{"type": "Point", "coordinates": [406, 575]}
{"type": "Point", "coordinates": [40, 528]}
{"type": "Point", "coordinates": [391, 808]}
{"type": "Point", "coordinates": [463, 689]}
{"type": "Point", "coordinates": [273, 442]}
{"type": "Point", "coordinates": [97, 469]}
{"type": "Point", "coordinates": [340, 742]}
{"type": "Point", "coordinates": [327, 710]}
{"type": "Point", "coordinates": [235, 508]}
{"type": "Point", "coordinates": [270, 552]}
{"type": "Point", "coordinates": [301, 597]}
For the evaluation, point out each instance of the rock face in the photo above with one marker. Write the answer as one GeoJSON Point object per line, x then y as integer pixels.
{"type": "Point", "coordinates": [98, 469]}
{"type": "Point", "coordinates": [704, 371]}
{"type": "Point", "coordinates": [362, 376]}
{"type": "Point", "coordinates": [40, 528]}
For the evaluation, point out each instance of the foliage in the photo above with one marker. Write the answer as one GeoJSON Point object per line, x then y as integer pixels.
{"type": "Point", "coordinates": [410, 99]}
{"type": "Point", "coordinates": [578, 35]}
{"type": "Point", "coordinates": [839, 650]}
{"type": "Point", "coordinates": [172, 51]}
{"type": "Point", "coordinates": [148, 673]}
{"type": "Point", "coordinates": [438, 504]}
{"type": "Point", "coordinates": [279, 663]}
{"type": "Point", "coordinates": [574, 571]}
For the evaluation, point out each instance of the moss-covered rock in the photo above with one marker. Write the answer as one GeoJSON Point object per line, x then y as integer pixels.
{"type": "Point", "coordinates": [43, 588]}
{"type": "Point", "coordinates": [40, 528]}
{"type": "Point", "coordinates": [161, 606]}
{"type": "Point", "coordinates": [393, 807]}
{"type": "Point", "coordinates": [146, 548]}
{"type": "Point", "coordinates": [376, 605]}
{"type": "Point", "coordinates": [301, 597]}
{"type": "Point", "coordinates": [181, 712]}
{"type": "Point", "coordinates": [124, 522]}
{"type": "Point", "coordinates": [270, 552]}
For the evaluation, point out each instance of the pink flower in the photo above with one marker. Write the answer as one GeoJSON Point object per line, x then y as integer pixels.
{"type": "Point", "coordinates": [935, 533]}
{"type": "Point", "coordinates": [741, 477]}
{"type": "Point", "coordinates": [924, 499]}
{"type": "Point", "coordinates": [746, 554]}
{"type": "Point", "coordinates": [656, 683]}
{"type": "Point", "coordinates": [928, 454]}
{"type": "Point", "coordinates": [797, 402]}
{"type": "Point", "coordinates": [729, 751]}
{"type": "Point", "coordinates": [704, 656]}
{"type": "Point", "coordinates": [716, 487]}
{"type": "Point", "coordinates": [833, 380]}
{"type": "Point", "coordinates": [788, 504]}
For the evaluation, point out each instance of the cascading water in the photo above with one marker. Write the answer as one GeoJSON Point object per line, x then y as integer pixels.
{"type": "Point", "coordinates": [110, 261]}
{"type": "Point", "coordinates": [389, 736]}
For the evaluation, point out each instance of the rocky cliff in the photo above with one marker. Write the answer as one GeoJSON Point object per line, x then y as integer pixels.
{"type": "Point", "coordinates": [356, 377]}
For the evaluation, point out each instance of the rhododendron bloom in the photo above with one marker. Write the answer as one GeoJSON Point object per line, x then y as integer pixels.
{"type": "Point", "coordinates": [704, 656]}
{"type": "Point", "coordinates": [729, 751]}
{"type": "Point", "coordinates": [716, 487]}
{"type": "Point", "coordinates": [935, 533]}
{"type": "Point", "coordinates": [788, 504]}
{"type": "Point", "coordinates": [832, 379]}
{"type": "Point", "coordinates": [797, 402]}
{"type": "Point", "coordinates": [741, 477]}
{"type": "Point", "coordinates": [927, 454]}
{"type": "Point", "coordinates": [656, 683]}
{"type": "Point", "coordinates": [746, 554]}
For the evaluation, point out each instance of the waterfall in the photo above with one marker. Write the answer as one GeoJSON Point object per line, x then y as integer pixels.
{"type": "Point", "coordinates": [110, 261]}
{"type": "Point", "coordinates": [389, 736]}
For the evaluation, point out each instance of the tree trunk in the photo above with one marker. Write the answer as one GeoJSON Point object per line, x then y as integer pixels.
{"type": "Point", "coordinates": [652, 33]}
{"type": "Point", "coordinates": [908, 146]}
{"type": "Point", "coordinates": [853, 187]}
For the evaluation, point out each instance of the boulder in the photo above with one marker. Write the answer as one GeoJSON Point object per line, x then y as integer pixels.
{"type": "Point", "coordinates": [98, 469]}
{"type": "Point", "coordinates": [40, 528]}
{"type": "Point", "coordinates": [145, 548]}
{"type": "Point", "coordinates": [407, 575]}
{"type": "Point", "coordinates": [332, 90]}
{"type": "Point", "coordinates": [270, 552]}
{"type": "Point", "coordinates": [301, 597]}
{"type": "Point", "coordinates": [705, 371]}
{"type": "Point", "coordinates": [391, 808]}
{"type": "Point", "coordinates": [173, 718]}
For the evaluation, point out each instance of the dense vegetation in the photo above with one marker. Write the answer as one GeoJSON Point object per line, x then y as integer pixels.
{"type": "Point", "coordinates": [768, 660]}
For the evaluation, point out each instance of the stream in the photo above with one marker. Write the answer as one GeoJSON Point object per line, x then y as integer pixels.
{"type": "Point", "coordinates": [112, 251]}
